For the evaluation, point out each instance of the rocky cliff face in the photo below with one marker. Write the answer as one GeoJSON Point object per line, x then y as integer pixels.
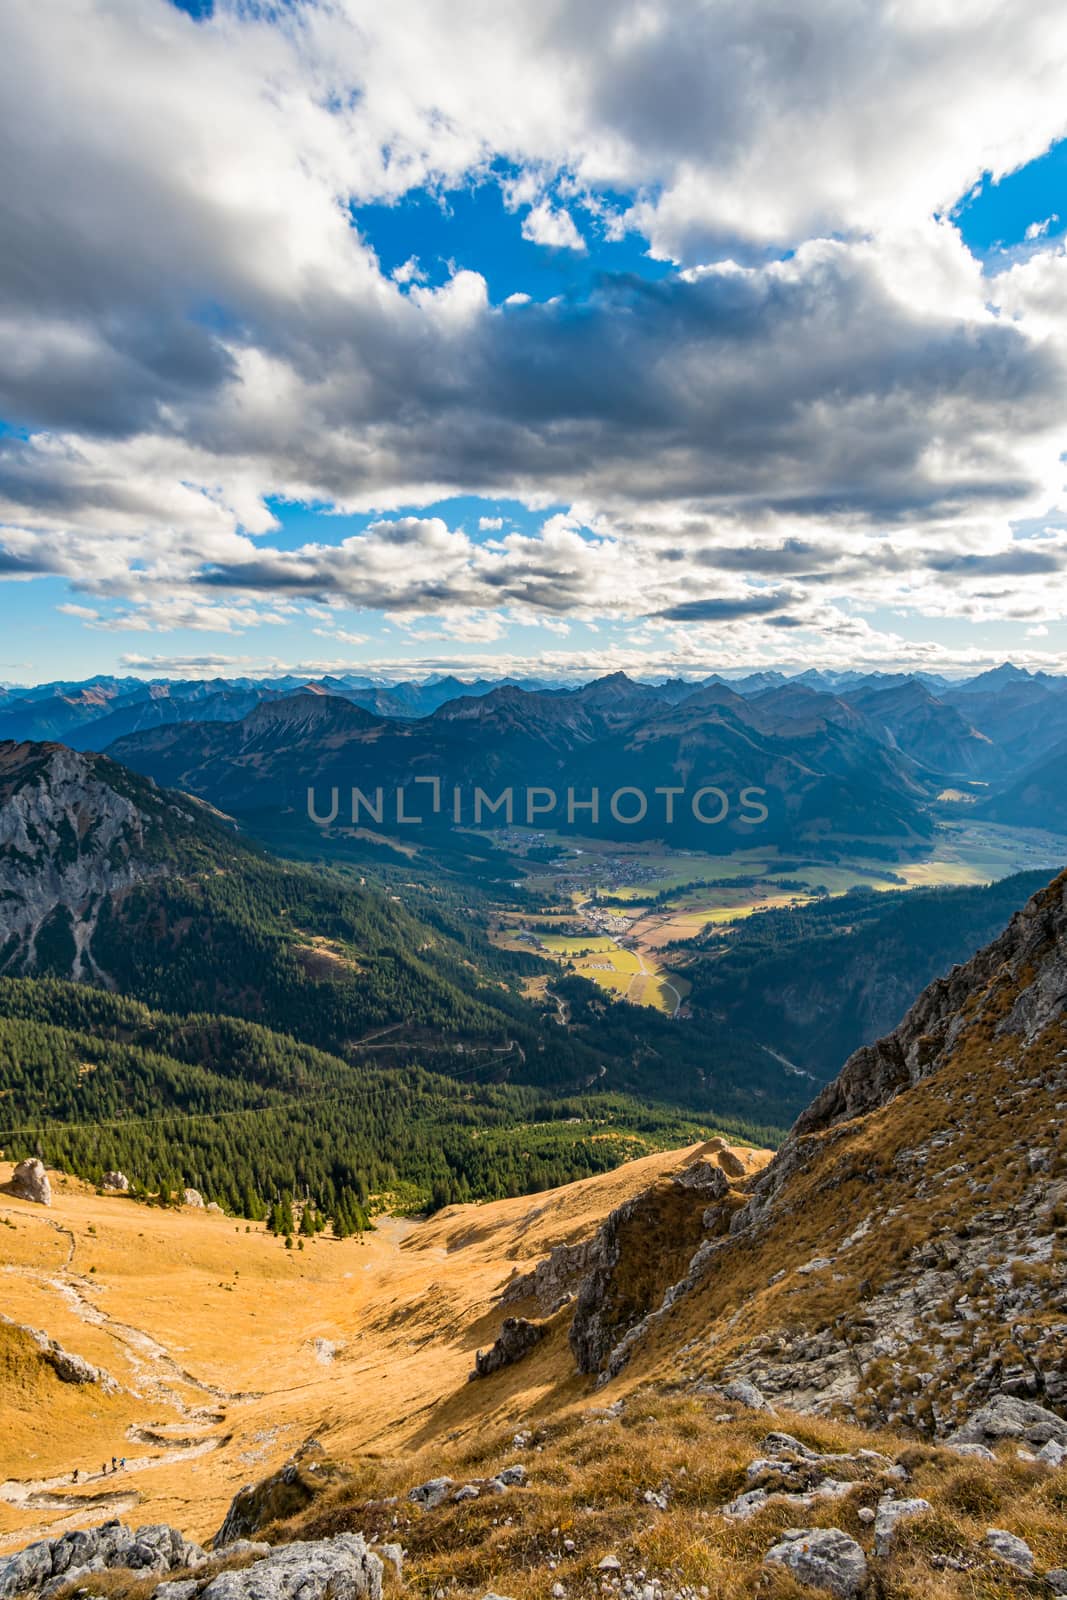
{"type": "Point", "coordinates": [903, 1260]}
{"type": "Point", "coordinates": [74, 829]}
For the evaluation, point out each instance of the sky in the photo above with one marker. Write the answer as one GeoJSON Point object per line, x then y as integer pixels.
{"type": "Point", "coordinates": [663, 335]}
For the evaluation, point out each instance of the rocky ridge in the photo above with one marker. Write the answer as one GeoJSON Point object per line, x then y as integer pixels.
{"type": "Point", "coordinates": [902, 1259]}
{"type": "Point", "coordinates": [74, 830]}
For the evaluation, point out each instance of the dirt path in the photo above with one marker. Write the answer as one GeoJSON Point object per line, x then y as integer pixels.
{"type": "Point", "coordinates": [157, 1377]}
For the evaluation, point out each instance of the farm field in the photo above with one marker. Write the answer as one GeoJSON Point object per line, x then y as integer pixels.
{"type": "Point", "coordinates": [600, 879]}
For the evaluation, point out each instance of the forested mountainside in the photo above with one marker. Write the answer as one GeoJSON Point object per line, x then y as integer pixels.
{"type": "Point", "coordinates": [815, 982]}
{"type": "Point", "coordinates": [148, 893]}
{"type": "Point", "coordinates": [822, 769]}
{"type": "Point", "coordinates": [95, 1082]}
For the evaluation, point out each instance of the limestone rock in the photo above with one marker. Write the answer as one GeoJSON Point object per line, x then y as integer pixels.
{"type": "Point", "coordinates": [342, 1568]}
{"type": "Point", "coordinates": [553, 1281]}
{"type": "Point", "coordinates": [516, 1339]}
{"type": "Point", "coordinates": [823, 1558]}
{"type": "Point", "coordinates": [1007, 1417]}
{"type": "Point", "coordinates": [115, 1182]}
{"type": "Point", "coordinates": [641, 1251]}
{"type": "Point", "coordinates": [70, 1368]}
{"type": "Point", "coordinates": [240, 1547]}
{"type": "Point", "coordinates": [431, 1493]}
{"type": "Point", "coordinates": [193, 1197]}
{"type": "Point", "coordinates": [890, 1512]}
{"type": "Point", "coordinates": [745, 1394]}
{"type": "Point", "coordinates": [29, 1181]}
{"type": "Point", "coordinates": [27, 1570]}
{"type": "Point", "coordinates": [176, 1589]}
{"type": "Point", "coordinates": [68, 841]}
{"type": "Point", "coordinates": [1010, 1549]}
{"type": "Point", "coordinates": [710, 1179]}
{"type": "Point", "coordinates": [50, 1564]}
{"type": "Point", "coordinates": [289, 1490]}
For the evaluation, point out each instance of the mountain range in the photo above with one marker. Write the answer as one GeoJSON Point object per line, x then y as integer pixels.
{"type": "Point", "coordinates": [816, 765]}
{"type": "Point", "coordinates": [840, 755]}
{"type": "Point", "coordinates": [153, 896]}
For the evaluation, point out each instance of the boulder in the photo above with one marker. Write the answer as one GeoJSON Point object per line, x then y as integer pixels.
{"type": "Point", "coordinates": [1008, 1417]}
{"type": "Point", "coordinates": [430, 1493]}
{"type": "Point", "coordinates": [705, 1176]}
{"type": "Point", "coordinates": [48, 1566]}
{"type": "Point", "coordinates": [289, 1490]}
{"type": "Point", "coordinates": [27, 1570]}
{"type": "Point", "coordinates": [29, 1181]}
{"type": "Point", "coordinates": [342, 1568]}
{"type": "Point", "coordinates": [890, 1512]}
{"type": "Point", "coordinates": [823, 1558]}
{"type": "Point", "coordinates": [115, 1183]}
{"type": "Point", "coordinates": [193, 1197]}
{"type": "Point", "coordinates": [1010, 1549]}
{"type": "Point", "coordinates": [744, 1393]}
{"type": "Point", "coordinates": [516, 1339]}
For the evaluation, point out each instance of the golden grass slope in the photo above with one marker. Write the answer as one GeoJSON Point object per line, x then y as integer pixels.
{"type": "Point", "coordinates": [228, 1350]}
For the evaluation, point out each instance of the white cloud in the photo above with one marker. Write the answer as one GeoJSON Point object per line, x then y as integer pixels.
{"type": "Point", "coordinates": [553, 227]}
{"type": "Point", "coordinates": [409, 271]}
{"type": "Point", "coordinates": [1037, 230]}
{"type": "Point", "coordinates": [490, 524]}
{"type": "Point", "coordinates": [190, 324]}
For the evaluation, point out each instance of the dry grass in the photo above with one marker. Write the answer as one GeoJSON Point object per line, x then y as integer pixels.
{"type": "Point", "coordinates": [241, 1315]}
{"type": "Point", "coordinates": [588, 1475]}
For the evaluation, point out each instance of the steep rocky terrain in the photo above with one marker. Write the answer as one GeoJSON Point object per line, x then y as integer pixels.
{"type": "Point", "coordinates": [74, 831]}
{"type": "Point", "coordinates": [842, 1371]}
{"type": "Point", "coordinates": [903, 1260]}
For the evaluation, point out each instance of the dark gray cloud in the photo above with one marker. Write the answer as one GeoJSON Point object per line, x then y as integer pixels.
{"type": "Point", "coordinates": [718, 608]}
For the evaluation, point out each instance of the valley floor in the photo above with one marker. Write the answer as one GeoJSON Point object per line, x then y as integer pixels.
{"type": "Point", "coordinates": [227, 1350]}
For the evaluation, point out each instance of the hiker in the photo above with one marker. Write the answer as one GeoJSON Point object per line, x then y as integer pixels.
{"type": "Point", "coordinates": [114, 1463]}
{"type": "Point", "coordinates": [122, 1463]}
{"type": "Point", "coordinates": [75, 1475]}
{"type": "Point", "coordinates": [103, 1469]}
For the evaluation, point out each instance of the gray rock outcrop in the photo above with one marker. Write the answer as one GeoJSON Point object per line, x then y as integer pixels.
{"type": "Point", "coordinates": [1010, 1549]}
{"type": "Point", "coordinates": [1008, 1417]}
{"type": "Point", "coordinates": [155, 1548]}
{"type": "Point", "coordinates": [115, 1182]}
{"type": "Point", "coordinates": [71, 1368]}
{"type": "Point", "coordinates": [554, 1280]}
{"type": "Point", "coordinates": [431, 1493]}
{"type": "Point", "coordinates": [69, 839]}
{"type": "Point", "coordinates": [823, 1558]}
{"type": "Point", "coordinates": [281, 1495]}
{"type": "Point", "coordinates": [516, 1339]}
{"type": "Point", "coordinates": [889, 1514]}
{"type": "Point", "coordinates": [342, 1568]}
{"type": "Point", "coordinates": [29, 1181]}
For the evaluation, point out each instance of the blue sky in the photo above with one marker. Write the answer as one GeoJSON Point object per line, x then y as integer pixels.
{"type": "Point", "coordinates": [661, 337]}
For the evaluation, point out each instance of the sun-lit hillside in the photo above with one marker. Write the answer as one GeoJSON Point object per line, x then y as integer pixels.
{"type": "Point", "coordinates": [227, 1349]}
